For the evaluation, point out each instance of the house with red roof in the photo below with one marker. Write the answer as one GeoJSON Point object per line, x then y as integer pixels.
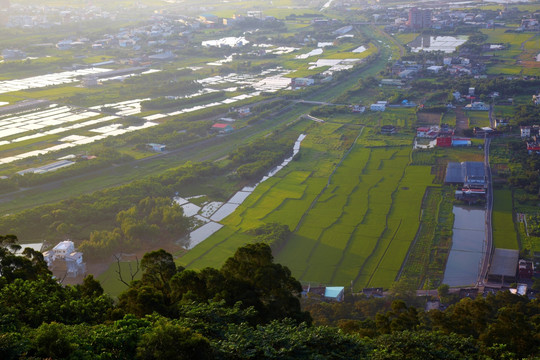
{"type": "Point", "coordinates": [222, 128]}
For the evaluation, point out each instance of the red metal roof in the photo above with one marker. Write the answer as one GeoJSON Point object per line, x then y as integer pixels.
{"type": "Point", "coordinates": [220, 126]}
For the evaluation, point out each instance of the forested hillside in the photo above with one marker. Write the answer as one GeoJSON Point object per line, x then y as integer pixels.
{"type": "Point", "coordinates": [248, 309]}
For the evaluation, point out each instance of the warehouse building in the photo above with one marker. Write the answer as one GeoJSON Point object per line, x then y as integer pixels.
{"type": "Point", "coordinates": [504, 266]}
{"type": "Point", "coordinates": [469, 173]}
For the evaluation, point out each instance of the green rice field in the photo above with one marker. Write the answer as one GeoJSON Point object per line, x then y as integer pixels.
{"type": "Point", "coordinates": [350, 215]}
{"type": "Point", "coordinates": [504, 232]}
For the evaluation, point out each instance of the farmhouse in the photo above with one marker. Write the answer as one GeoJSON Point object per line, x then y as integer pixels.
{"type": "Point", "coordinates": [525, 269]}
{"type": "Point", "coordinates": [357, 108]}
{"type": "Point", "coordinates": [65, 260]}
{"type": "Point", "coordinates": [301, 82]}
{"type": "Point", "coordinates": [477, 106]}
{"type": "Point", "coordinates": [529, 131]}
{"type": "Point", "coordinates": [222, 128]}
{"type": "Point", "coordinates": [427, 132]}
{"type": "Point", "coordinates": [501, 122]}
{"type": "Point", "coordinates": [533, 147]}
{"type": "Point", "coordinates": [244, 111]}
{"type": "Point", "coordinates": [525, 131]}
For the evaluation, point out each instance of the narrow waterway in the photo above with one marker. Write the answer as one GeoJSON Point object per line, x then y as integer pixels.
{"type": "Point", "coordinates": [212, 223]}
{"type": "Point", "coordinates": [468, 238]}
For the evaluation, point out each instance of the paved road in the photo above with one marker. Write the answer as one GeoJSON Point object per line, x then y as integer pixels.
{"type": "Point", "coordinates": [488, 244]}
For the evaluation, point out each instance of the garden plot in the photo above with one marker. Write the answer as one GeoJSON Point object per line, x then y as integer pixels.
{"type": "Point", "coordinates": [355, 225]}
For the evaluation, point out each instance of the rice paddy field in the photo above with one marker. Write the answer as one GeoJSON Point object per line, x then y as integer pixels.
{"type": "Point", "coordinates": [349, 208]}
{"type": "Point", "coordinates": [518, 57]}
{"type": "Point", "coordinates": [504, 232]}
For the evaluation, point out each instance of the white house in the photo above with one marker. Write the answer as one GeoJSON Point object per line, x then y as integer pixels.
{"type": "Point", "coordinates": [244, 111]}
{"type": "Point", "coordinates": [62, 249]}
{"type": "Point", "coordinates": [74, 263]}
{"type": "Point", "coordinates": [477, 106]}
{"type": "Point", "coordinates": [525, 131]}
{"type": "Point", "coordinates": [301, 82]}
{"type": "Point", "coordinates": [63, 257]}
{"type": "Point", "coordinates": [435, 68]}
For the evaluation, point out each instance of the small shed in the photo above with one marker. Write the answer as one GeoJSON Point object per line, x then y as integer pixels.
{"type": "Point", "coordinates": [334, 293]}
{"type": "Point", "coordinates": [377, 107]}
{"type": "Point", "coordinates": [157, 147]}
{"type": "Point", "coordinates": [461, 141]}
{"type": "Point", "coordinates": [388, 129]}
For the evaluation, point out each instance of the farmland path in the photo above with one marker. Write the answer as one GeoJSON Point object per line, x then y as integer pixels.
{"type": "Point", "coordinates": [522, 46]}
{"type": "Point", "coordinates": [488, 245]}
{"type": "Point", "coordinates": [461, 119]}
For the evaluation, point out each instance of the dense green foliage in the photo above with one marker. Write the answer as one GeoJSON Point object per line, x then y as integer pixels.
{"type": "Point", "coordinates": [140, 213]}
{"type": "Point", "coordinates": [78, 217]}
{"type": "Point", "coordinates": [255, 159]}
{"type": "Point", "coordinates": [249, 309]}
{"type": "Point", "coordinates": [150, 221]}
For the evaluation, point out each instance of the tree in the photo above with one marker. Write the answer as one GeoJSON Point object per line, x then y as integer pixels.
{"type": "Point", "coordinates": [166, 340]}
{"type": "Point", "coordinates": [51, 341]}
{"type": "Point", "coordinates": [153, 292]}
{"type": "Point", "coordinates": [423, 345]}
{"type": "Point", "coordinates": [253, 276]}
{"type": "Point", "coordinates": [29, 266]}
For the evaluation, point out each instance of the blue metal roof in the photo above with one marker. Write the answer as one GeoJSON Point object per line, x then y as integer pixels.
{"type": "Point", "coordinates": [333, 291]}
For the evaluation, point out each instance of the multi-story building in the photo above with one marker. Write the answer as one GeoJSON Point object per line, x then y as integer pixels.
{"type": "Point", "coordinates": [419, 18]}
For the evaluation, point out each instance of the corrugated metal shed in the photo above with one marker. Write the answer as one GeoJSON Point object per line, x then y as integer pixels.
{"type": "Point", "coordinates": [504, 263]}
{"type": "Point", "coordinates": [468, 173]}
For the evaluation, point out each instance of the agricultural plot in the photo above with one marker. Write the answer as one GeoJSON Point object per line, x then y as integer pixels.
{"type": "Point", "coordinates": [507, 59]}
{"type": "Point", "coordinates": [426, 118]}
{"type": "Point", "coordinates": [449, 118]}
{"type": "Point", "coordinates": [478, 118]}
{"type": "Point", "coordinates": [361, 226]}
{"type": "Point", "coordinates": [504, 232]}
{"type": "Point", "coordinates": [282, 198]}
{"type": "Point", "coordinates": [426, 260]}
{"type": "Point", "coordinates": [350, 215]}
